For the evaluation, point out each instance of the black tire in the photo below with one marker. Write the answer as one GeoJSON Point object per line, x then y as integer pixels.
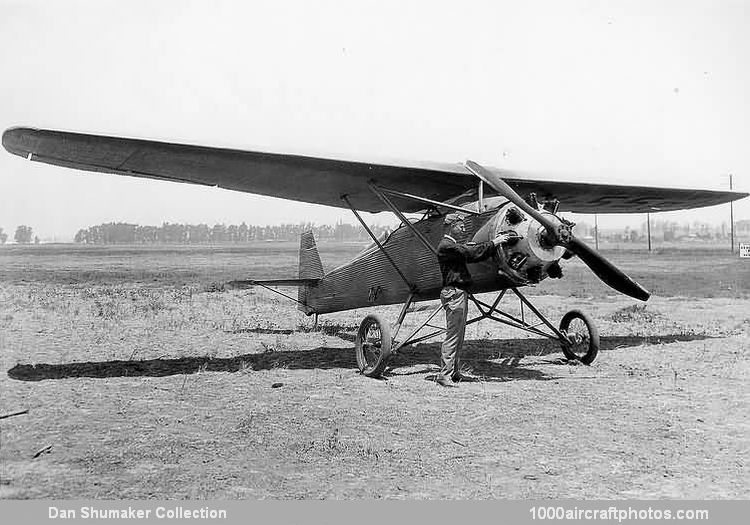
{"type": "Point", "coordinates": [373, 345]}
{"type": "Point", "coordinates": [584, 336]}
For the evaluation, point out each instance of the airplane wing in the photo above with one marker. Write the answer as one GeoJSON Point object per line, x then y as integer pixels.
{"type": "Point", "coordinates": [325, 181]}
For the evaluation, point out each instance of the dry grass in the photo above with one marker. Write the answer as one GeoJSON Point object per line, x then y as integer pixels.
{"type": "Point", "coordinates": [150, 380]}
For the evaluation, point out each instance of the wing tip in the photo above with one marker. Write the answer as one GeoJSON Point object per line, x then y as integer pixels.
{"type": "Point", "coordinates": [730, 196]}
{"type": "Point", "coordinates": [15, 140]}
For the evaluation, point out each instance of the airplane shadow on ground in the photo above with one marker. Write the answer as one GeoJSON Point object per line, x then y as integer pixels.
{"type": "Point", "coordinates": [502, 359]}
{"type": "Point", "coordinates": [492, 360]}
{"type": "Point", "coordinates": [342, 332]}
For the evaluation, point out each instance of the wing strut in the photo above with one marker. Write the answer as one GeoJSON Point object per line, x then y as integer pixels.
{"type": "Point", "coordinates": [422, 199]}
{"type": "Point", "coordinates": [379, 192]}
{"type": "Point", "coordinates": [412, 287]}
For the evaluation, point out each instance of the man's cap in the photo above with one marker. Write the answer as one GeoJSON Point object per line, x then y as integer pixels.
{"type": "Point", "coordinates": [452, 218]}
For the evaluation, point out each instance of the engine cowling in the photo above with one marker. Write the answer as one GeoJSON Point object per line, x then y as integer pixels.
{"type": "Point", "coordinates": [529, 258]}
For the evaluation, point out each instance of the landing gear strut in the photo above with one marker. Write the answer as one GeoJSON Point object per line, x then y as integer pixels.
{"type": "Point", "coordinates": [374, 344]}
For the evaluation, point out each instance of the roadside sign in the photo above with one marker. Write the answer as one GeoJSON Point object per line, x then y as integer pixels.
{"type": "Point", "coordinates": [744, 250]}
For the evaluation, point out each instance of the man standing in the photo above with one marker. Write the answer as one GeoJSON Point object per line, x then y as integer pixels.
{"type": "Point", "coordinates": [452, 257]}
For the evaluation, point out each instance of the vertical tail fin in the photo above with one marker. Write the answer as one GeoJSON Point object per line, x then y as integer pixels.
{"type": "Point", "coordinates": [310, 267]}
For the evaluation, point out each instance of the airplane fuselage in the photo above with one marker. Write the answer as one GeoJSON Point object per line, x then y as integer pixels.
{"type": "Point", "coordinates": [370, 279]}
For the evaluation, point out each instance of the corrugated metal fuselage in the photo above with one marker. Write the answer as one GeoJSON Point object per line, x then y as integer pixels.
{"type": "Point", "coordinates": [371, 280]}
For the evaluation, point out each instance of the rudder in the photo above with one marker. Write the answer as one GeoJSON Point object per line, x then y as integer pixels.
{"type": "Point", "coordinates": [310, 267]}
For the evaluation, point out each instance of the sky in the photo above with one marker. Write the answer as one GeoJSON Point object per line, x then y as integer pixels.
{"type": "Point", "coordinates": [636, 92]}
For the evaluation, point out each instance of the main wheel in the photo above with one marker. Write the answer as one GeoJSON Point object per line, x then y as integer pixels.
{"type": "Point", "coordinates": [583, 336]}
{"type": "Point", "coordinates": [373, 345]}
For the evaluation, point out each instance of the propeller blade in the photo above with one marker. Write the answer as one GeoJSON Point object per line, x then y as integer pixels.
{"type": "Point", "coordinates": [605, 270]}
{"type": "Point", "coordinates": [502, 187]}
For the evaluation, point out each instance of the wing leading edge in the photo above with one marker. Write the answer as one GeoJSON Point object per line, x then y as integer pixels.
{"type": "Point", "coordinates": [325, 181]}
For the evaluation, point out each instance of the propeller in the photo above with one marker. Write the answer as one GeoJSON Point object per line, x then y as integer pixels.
{"type": "Point", "coordinates": [561, 234]}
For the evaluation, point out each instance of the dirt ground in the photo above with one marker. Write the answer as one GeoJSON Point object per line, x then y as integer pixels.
{"type": "Point", "coordinates": [145, 378]}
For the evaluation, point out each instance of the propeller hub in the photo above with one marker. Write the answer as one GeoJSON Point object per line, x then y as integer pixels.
{"type": "Point", "coordinates": [560, 235]}
{"type": "Point", "coordinates": [545, 246]}
{"type": "Point", "coordinates": [564, 232]}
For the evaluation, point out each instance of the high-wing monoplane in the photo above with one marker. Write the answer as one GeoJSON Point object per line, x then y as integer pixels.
{"type": "Point", "coordinates": [401, 268]}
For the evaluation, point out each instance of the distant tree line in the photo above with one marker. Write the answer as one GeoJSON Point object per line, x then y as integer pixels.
{"type": "Point", "coordinates": [24, 235]}
{"type": "Point", "coordinates": [169, 233]}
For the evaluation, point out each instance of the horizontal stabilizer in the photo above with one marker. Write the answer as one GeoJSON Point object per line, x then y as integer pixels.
{"type": "Point", "coordinates": [272, 282]}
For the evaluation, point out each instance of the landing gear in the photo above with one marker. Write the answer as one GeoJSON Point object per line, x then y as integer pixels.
{"type": "Point", "coordinates": [373, 345]}
{"type": "Point", "coordinates": [582, 337]}
{"type": "Point", "coordinates": [375, 342]}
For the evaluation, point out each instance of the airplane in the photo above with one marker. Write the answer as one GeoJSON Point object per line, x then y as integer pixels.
{"type": "Point", "coordinates": [401, 268]}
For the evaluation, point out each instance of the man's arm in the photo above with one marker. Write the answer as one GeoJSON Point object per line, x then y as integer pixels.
{"type": "Point", "coordinates": [482, 251]}
{"type": "Point", "coordinates": [476, 252]}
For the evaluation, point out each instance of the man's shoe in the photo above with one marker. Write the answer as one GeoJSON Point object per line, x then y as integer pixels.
{"type": "Point", "coordinates": [457, 378]}
{"type": "Point", "coordinates": [444, 381]}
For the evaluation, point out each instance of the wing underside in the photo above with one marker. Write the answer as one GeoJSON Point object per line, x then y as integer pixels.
{"type": "Point", "coordinates": [326, 181]}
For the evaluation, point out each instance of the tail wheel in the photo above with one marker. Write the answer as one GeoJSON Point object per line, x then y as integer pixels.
{"type": "Point", "coordinates": [373, 345]}
{"type": "Point", "coordinates": [583, 337]}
